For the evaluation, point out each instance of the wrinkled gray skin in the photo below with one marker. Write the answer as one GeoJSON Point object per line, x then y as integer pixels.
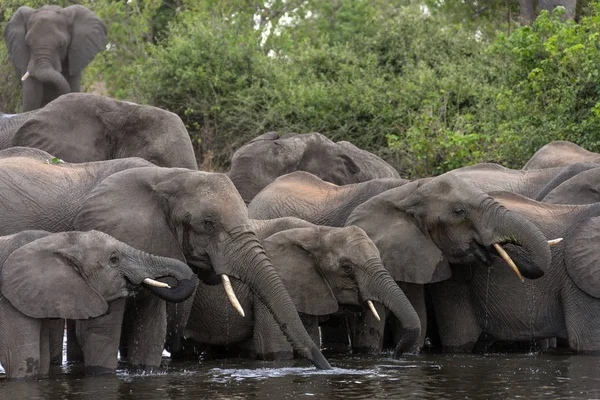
{"type": "Point", "coordinates": [323, 268]}
{"type": "Point", "coordinates": [193, 216]}
{"type": "Point", "coordinates": [54, 45]}
{"type": "Point", "coordinates": [494, 177]}
{"type": "Point", "coordinates": [71, 275]}
{"type": "Point", "coordinates": [584, 188]}
{"type": "Point", "coordinates": [260, 161]}
{"type": "Point", "coordinates": [188, 215]}
{"type": "Point", "coordinates": [560, 153]}
{"type": "Point", "coordinates": [435, 231]}
{"type": "Point", "coordinates": [303, 195]}
{"type": "Point", "coordinates": [81, 127]}
{"type": "Point", "coordinates": [564, 303]}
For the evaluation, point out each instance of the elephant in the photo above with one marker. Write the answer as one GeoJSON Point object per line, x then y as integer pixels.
{"type": "Point", "coordinates": [323, 268]}
{"type": "Point", "coordinates": [584, 188]}
{"type": "Point", "coordinates": [560, 153]}
{"type": "Point", "coordinates": [101, 128]}
{"type": "Point", "coordinates": [448, 229]}
{"type": "Point", "coordinates": [50, 47]}
{"type": "Point", "coordinates": [260, 161]}
{"type": "Point", "coordinates": [72, 275]}
{"type": "Point", "coordinates": [192, 216]}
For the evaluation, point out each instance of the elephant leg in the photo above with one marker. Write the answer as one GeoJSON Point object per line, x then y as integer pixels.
{"type": "Point", "coordinates": [74, 352]}
{"type": "Point", "coordinates": [311, 323]}
{"type": "Point", "coordinates": [33, 93]}
{"type": "Point", "coordinates": [582, 320]}
{"type": "Point", "coordinates": [99, 339]}
{"type": "Point", "coordinates": [455, 316]}
{"type": "Point", "coordinates": [366, 332]}
{"type": "Point", "coordinates": [146, 339]}
{"type": "Point", "coordinates": [334, 334]}
{"type": "Point", "coordinates": [56, 329]}
{"type": "Point", "coordinates": [46, 345]}
{"type": "Point", "coordinates": [19, 342]}
{"type": "Point", "coordinates": [269, 341]}
{"type": "Point", "coordinates": [178, 315]}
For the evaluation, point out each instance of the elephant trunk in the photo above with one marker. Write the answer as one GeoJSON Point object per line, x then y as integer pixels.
{"type": "Point", "coordinates": [161, 267]}
{"type": "Point", "coordinates": [517, 229]}
{"type": "Point", "coordinates": [42, 70]}
{"type": "Point", "coordinates": [381, 287]}
{"type": "Point", "coordinates": [250, 264]}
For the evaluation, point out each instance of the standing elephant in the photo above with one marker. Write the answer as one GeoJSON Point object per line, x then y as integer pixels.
{"type": "Point", "coordinates": [72, 275]}
{"type": "Point", "coordinates": [188, 215]}
{"type": "Point", "coordinates": [448, 228]}
{"type": "Point", "coordinates": [260, 161]}
{"type": "Point", "coordinates": [81, 127]}
{"type": "Point", "coordinates": [323, 269]}
{"type": "Point", "coordinates": [560, 153]}
{"type": "Point", "coordinates": [50, 47]}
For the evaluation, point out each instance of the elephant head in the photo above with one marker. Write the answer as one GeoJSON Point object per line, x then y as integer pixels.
{"type": "Point", "coordinates": [199, 218]}
{"type": "Point", "coordinates": [52, 43]}
{"type": "Point", "coordinates": [268, 156]}
{"type": "Point", "coordinates": [105, 129]}
{"type": "Point", "coordinates": [76, 274]}
{"type": "Point", "coordinates": [420, 228]}
{"type": "Point", "coordinates": [324, 266]}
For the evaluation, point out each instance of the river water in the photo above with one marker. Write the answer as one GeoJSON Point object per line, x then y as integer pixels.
{"type": "Point", "coordinates": [425, 376]}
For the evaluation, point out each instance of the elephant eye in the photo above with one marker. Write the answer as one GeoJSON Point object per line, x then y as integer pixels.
{"type": "Point", "coordinates": [114, 259]}
{"type": "Point", "coordinates": [208, 225]}
{"type": "Point", "coordinates": [346, 268]}
{"type": "Point", "coordinates": [459, 210]}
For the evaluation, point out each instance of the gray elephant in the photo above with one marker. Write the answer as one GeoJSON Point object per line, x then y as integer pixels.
{"type": "Point", "coordinates": [260, 161]}
{"type": "Point", "coordinates": [323, 268]}
{"type": "Point", "coordinates": [100, 128]}
{"type": "Point", "coordinates": [72, 275]}
{"type": "Point", "coordinates": [560, 153]}
{"type": "Point", "coordinates": [584, 188]}
{"type": "Point", "coordinates": [50, 47]}
{"type": "Point", "coordinates": [452, 229]}
{"type": "Point", "coordinates": [191, 216]}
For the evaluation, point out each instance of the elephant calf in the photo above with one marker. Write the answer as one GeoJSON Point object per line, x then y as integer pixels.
{"type": "Point", "coordinates": [322, 268]}
{"type": "Point", "coordinates": [74, 275]}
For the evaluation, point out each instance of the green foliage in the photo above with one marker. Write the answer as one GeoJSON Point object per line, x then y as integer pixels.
{"type": "Point", "coordinates": [428, 91]}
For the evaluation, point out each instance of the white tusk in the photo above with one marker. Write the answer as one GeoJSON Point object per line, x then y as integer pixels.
{"type": "Point", "coordinates": [373, 310]}
{"type": "Point", "coordinates": [152, 282]}
{"type": "Point", "coordinates": [554, 242]}
{"type": "Point", "coordinates": [231, 295]}
{"type": "Point", "coordinates": [508, 260]}
{"type": "Point", "coordinates": [25, 76]}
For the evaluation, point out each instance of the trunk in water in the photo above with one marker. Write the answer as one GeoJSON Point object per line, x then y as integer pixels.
{"type": "Point", "coordinates": [48, 74]}
{"type": "Point", "coordinates": [517, 229]}
{"type": "Point", "coordinates": [381, 287]}
{"type": "Point", "coordinates": [262, 278]}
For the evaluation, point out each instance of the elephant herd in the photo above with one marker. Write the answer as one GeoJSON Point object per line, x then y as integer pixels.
{"type": "Point", "coordinates": [109, 228]}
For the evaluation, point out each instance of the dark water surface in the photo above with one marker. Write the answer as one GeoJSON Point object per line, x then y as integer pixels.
{"type": "Point", "coordinates": [426, 376]}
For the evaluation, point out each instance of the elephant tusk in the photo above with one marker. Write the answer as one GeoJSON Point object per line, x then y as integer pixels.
{"type": "Point", "coordinates": [373, 310]}
{"type": "Point", "coordinates": [25, 76]}
{"type": "Point", "coordinates": [508, 260]}
{"type": "Point", "coordinates": [231, 295]}
{"type": "Point", "coordinates": [554, 242]}
{"type": "Point", "coordinates": [152, 282]}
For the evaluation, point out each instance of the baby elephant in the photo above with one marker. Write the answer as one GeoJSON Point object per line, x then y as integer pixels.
{"type": "Point", "coordinates": [71, 275]}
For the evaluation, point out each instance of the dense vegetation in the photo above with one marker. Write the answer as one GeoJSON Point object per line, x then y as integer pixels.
{"type": "Point", "coordinates": [429, 88]}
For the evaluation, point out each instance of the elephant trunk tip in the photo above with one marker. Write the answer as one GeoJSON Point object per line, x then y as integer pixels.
{"type": "Point", "coordinates": [407, 344]}
{"type": "Point", "coordinates": [184, 289]}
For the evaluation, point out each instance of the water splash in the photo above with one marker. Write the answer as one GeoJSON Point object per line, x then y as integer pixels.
{"type": "Point", "coordinates": [224, 375]}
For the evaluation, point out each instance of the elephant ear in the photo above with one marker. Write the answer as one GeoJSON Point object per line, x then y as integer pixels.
{"type": "Point", "coordinates": [14, 36]}
{"type": "Point", "coordinates": [128, 207]}
{"type": "Point", "coordinates": [88, 38]}
{"type": "Point", "coordinates": [293, 254]}
{"type": "Point", "coordinates": [581, 256]}
{"type": "Point", "coordinates": [407, 253]}
{"type": "Point", "coordinates": [41, 280]}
